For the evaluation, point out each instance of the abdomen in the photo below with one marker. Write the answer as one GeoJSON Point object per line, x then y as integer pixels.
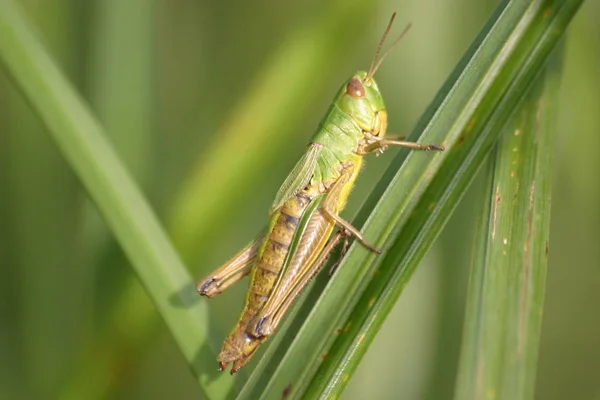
{"type": "Point", "coordinates": [268, 265]}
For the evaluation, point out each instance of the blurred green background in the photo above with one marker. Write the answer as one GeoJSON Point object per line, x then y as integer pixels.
{"type": "Point", "coordinates": [187, 91]}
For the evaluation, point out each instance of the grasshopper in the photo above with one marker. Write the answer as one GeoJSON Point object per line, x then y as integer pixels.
{"type": "Point", "coordinates": [305, 213]}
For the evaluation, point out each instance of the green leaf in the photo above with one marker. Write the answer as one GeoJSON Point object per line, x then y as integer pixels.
{"type": "Point", "coordinates": [506, 291]}
{"type": "Point", "coordinates": [467, 117]}
{"type": "Point", "coordinates": [82, 142]}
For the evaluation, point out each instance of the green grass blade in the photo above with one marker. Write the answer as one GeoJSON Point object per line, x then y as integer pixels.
{"type": "Point", "coordinates": [80, 139]}
{"type": "Point", "coordinates": [504, 308]}
{"type": "Point", "coordinates": [467, 116]}
{"type": "Point", "coordinates": [121, 81]}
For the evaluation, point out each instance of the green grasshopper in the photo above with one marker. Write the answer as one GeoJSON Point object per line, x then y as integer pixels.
{"type": "Point", "coordinates": [306, 210]}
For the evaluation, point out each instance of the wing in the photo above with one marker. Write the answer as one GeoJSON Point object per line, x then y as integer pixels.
{"type": "Point", "coordinates": [299, 177]}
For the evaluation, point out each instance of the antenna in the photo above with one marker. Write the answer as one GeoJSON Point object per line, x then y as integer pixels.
{"type": "Point", "coordinates": [376, 60]}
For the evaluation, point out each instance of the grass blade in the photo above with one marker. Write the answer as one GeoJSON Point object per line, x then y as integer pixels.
{"type": "Point", "coordinates": [82, 142]}
{"type": "Point", "coordinates": [504, 309]}
{"type": "Point", "coordinates": [121, 85]}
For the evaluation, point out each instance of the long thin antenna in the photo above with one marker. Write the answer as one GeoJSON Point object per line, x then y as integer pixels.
{"type": "Point", "coordinates": [377, 60]}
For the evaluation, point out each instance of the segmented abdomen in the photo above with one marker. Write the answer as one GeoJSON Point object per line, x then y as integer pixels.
{"type": "Point", "coordinates": [274, 251]}
{"type": "Point", "coordinates": [268, 265]}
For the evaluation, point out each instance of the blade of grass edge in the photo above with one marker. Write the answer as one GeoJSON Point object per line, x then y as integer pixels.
{"type": "Point", "coordinates": [506, 289]}
{"type": "Point", "coordinates": [82, 142]}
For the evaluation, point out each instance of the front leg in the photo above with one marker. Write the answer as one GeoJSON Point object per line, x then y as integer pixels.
{"type": "Point", "coordinates": [381, 144]}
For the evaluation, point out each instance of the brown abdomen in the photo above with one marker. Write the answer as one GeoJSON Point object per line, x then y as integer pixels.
{"type": "Point", "coordinates": [271, 257]}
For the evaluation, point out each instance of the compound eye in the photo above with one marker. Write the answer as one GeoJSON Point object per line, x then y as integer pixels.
{"type": "Point", "coordinates": [355, 88]}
